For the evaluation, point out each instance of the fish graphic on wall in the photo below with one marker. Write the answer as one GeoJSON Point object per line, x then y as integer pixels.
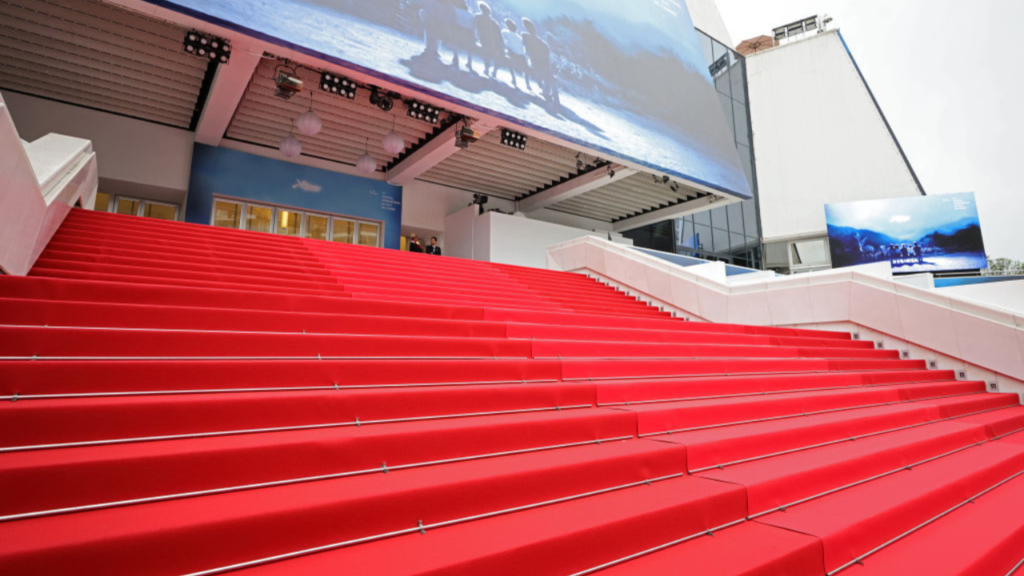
{"type": "Point", "coordinates": [307, 186]}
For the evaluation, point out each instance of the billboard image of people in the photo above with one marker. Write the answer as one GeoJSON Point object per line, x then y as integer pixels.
{"type": "Point", "coordinates": [914, 234]}
{"type": "Point", "coordinates": [627, 79]}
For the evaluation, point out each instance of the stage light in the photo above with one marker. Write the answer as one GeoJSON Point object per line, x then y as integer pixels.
{"type": "Point", "coordinates": [480, 199]}
{"type": "Point", "coordinates": [513, 139]}
{"type": "Point", "coordinates": [674, 187]}
{"type": "Point", "coordinates": [425, 112]}
{"type": "Point", "coordinates": [337, 85]}
{"type": "Point", "coordinates": [664, 179]}
{"type": "Point", "coordinates": [209, 47]}
{"type": "Point", "coordinates": [383, 100]}
{"type": "Point", "coordinates": [579, 162]}
{"type": "Point", "coordinates": [287, 80]}
{"type": "Point", "coordinates": [611, 172]}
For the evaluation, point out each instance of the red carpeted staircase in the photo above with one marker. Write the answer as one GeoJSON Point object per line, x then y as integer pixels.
{"type": "Point", "coordinates": [181, 399]}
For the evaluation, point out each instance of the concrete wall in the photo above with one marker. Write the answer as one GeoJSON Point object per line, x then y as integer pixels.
{"type": "Point", "coordinates": [818, 135]}
{"type": "Point", "coordinates": [1007, 295]}
{"type": "Point", "coordinates": [494, 237]}
{"type": "Point", "coordinates": [128, 150]}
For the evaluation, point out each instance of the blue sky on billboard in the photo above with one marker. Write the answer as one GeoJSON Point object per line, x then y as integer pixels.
{"type": "Point", "coordinates": [915, 234]}
{"type": "Point", "coordinates": [626, 79]}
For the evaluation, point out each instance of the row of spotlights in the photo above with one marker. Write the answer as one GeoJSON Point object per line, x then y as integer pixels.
{"type": "Point", "coordinates": [424, 112]}
{"type": "Point", "coordinates": [513, 139]}
{"type": "Point", "coordinates": [338, 85]}
{"type": "Point", "coordinates": [211, 47]}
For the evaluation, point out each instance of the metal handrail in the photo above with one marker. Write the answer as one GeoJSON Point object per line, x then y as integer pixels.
{"type": "Point", "coordinates": [19, 396]}
{"type": "Point", "coordinates": [354, 423]}
{"type": "Point", "coordinates": [711, 531]}
{"type": "Point", "coordinates": [903, 468]}
{"type": "Point", "coordinates": [62, 396]}
{"type": "Point", "coordinates": [288, 481]}
{"type": "Point", "coordinates": [725, 374]}
{"type": "Point", "coordinates": [860, 559]}
{"type": "Point", "coordinates": [772, 393]}
{"type": "Point", "coordinates": [422, 528]}
{"type": "Point", "coordinates": [804, 414]}
{"type": "Point", "coordinates": [723, 465]}
{"type": "Point", "coordinates": [318, 357]}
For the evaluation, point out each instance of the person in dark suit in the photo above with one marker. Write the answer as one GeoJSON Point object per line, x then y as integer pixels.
{"type": "Point", "coordinates": [414, 244]}
{"type": "Point", "coordinates": [433, 248]}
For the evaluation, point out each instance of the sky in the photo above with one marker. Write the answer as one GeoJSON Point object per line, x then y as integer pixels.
{"type": "Point", "coordinates": [949, 76]}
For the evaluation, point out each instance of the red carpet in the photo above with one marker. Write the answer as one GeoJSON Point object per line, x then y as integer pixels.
{"type": "Point", "coordinates": [181, 399]}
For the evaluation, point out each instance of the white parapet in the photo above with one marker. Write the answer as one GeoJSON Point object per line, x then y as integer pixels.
{"type": "Point", "coordinates": [39, 184]}
{"type": "Point", "coordinates": [864, 297]}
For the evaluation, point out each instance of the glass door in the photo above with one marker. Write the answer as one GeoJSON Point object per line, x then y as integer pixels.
{"type": "Point", "coordinates": [159, 210]}
{"type": "Point", "coordinates": [259, 219]}
{"type": "Point", "coordinates": [289, 223]}
{"type": "Point", "coordinates": [344, 231]}
{"type": "Point", "coordinates": [316, 226]}
{"type": "Point", "coordinates": [368, 234]}
{"type": "Point", "coordinates": [227, 214]}
{"type": "Point", "coordinates": [128, 206]}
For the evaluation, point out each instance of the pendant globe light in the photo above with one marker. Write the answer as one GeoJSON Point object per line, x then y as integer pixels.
{"type": "Point", "coordinates": [366, 164]}
{"type": "Point", "coordinates": [308, 122]}
{"type": "Point", "coordinates": [393, 142]}
{"type": "Point", "coordinates": [290, 146]}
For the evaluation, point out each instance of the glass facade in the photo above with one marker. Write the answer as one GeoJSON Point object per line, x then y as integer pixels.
{"type": "Point", "coordinates": [730, 233]}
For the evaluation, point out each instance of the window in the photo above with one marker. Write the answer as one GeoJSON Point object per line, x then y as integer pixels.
{"type": "Point", "coordinates": [102, 202]}
{"type": "Point", "coordinates": [316, 226]}
{"type": "Point", "coordinates": [259, 218]}
{"type": "Point", "coordinates": [344, 231]}
{"type": "Point", "coordinates": [243, 215]}
{"type": "Point", "coordinates": [289, 223]}
{"type": "Point", "coordinates": [129, 206]}
{"type": "Point", "coordinates": [160, 210]}
{"type": "Point", "coordinates": [227, 214]}
{"type": "Point", "coordinates": [368, 234]}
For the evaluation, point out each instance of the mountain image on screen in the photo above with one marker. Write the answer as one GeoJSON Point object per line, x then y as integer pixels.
{"type": "Point", "coordinates": [920, 234]}
{"type": "Point", "coordinates": [629, 79]}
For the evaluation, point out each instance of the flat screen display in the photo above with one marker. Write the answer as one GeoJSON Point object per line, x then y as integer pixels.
{"type": "Point", "coordinates": [914, 234]}
{"type": "Point", "coordinates": [626, 78]}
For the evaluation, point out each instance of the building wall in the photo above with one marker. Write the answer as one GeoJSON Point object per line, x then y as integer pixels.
{"type": "Point", "coordinates": [819, 137]}
{"type": "Point", "coordinates": [706, 17]}
{"type": "Point", "coordinates": [1008, 295]}
{"type": "Point", "coordinates": [127, 150]}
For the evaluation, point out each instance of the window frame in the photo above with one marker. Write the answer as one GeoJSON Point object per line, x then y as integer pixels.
{"type": "Point", "coordinates": [302, 215]}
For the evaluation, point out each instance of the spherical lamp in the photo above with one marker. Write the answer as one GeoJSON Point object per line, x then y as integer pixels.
{"type": "Point", "coordinates": [290, 146]}
{"type": "Point", "coordinates": [366, 164]}
{"type": "Point", "coordinates": [393, 143]}
{"type": "Point", "coordinates": [309, 123]}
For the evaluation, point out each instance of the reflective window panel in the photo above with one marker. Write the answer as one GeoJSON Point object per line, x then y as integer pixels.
{"type": "Point", "coordinates": [316, 226]}
{"type": "Point", "coordinates": [259, 219]}
{"type": "Point", "coordinates": [227, 214]}
{"type": "Point", "coordinates": [127, 206]}
{"type": "Point", "coordinates": [344, 231]}
{"type": "Point", "coordinates": [368, 234]}
{"type": "Point", "coordinates": [289, 223]}
{"type": "Point", "coordinates": [160, 211]}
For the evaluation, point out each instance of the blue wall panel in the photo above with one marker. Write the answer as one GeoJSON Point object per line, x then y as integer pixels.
{"type": "Point", "coordinates": [224, 172]}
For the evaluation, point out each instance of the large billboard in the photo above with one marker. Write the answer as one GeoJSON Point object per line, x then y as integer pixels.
{"type": "Point", "coordinates": [914, 234]}
{"type": "Point", "coordinates": [626, 78]}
